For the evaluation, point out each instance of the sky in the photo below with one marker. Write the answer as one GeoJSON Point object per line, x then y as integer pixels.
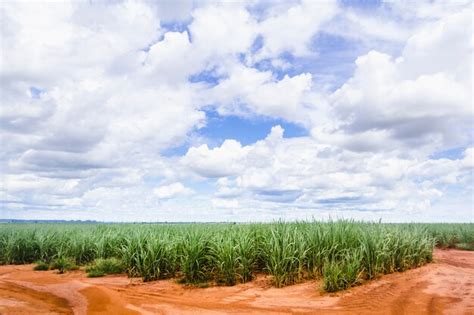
{"type": "Point", "coordinates": [237, 111]}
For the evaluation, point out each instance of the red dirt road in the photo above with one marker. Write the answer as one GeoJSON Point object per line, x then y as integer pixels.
{"type": "Point", "coordinates": [443, 287]}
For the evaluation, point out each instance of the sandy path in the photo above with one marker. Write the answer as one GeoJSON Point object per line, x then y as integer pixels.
{"type": "Point", "coordinates": [443, 287]}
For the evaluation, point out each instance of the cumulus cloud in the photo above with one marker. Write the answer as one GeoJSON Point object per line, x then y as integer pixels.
{"type": "Point", "coordinates": [305, 173]}
{"type": "Point", "coordinates": [222, 161]}
{"type": "Point", "coordinates": [171, 190]}
{"type": "Point", "coordinates": [248, 90]}
{"type": "Point", "coordinates": [421, 98]}
{"type": "Point", "coordinates": [292, 29]}
{"type": "Point", "coordinates": [225, 203]}
{"type": "Point", "coordinates": [48, 42]}
{"type": "Point", "coordinates": [94, 96]}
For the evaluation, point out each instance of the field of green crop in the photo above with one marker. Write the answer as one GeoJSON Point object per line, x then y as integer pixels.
{"type": "Point", "coordinates": [342, 253]}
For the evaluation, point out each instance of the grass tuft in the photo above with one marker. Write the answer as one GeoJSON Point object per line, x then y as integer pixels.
{"type": "Point", "coordinates": [41, 266]}
{"type": "Point", "coordinates": [64, 264]}
{"type": "Point", "coordinates": [105, 266]}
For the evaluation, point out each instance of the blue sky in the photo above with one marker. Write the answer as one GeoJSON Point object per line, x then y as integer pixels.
{"type": "Point", "coordinates": [209, 111]}
{"type": "Point", "coordinates": [245, 130]}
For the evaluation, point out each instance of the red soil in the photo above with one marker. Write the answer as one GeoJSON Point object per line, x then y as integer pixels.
{"type": "Point", "coordinates": [443, 287]}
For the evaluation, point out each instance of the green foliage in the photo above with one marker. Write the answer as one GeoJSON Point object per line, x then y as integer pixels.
{"type": "Point", "coordinates": [284, 253]}
{"type": "Point", "coordinates": [194, 255]}
{"type": "Point", "coordinates": [63, 264]}
{"type": "Point", "coordinates": [223, 251]}
{"type": "Point", "coordinates": [449, 235]}
{"type": "Point", "coordinates": [344, 273]}
{"type": "Point", "coordinates": [149, 256]}
{"type": "Point", "coordinates": [247, 253]}
{"type": "Point", "coordinates": [105, 266]}
{"type": "Point", "coordinates": [465, 246]}
{"type": "Point", "coordinates": [41, 266]}
{"type": "Point", "coordinates": [343, 253]}
{"type": "Point", "coordinates": [95, 273]}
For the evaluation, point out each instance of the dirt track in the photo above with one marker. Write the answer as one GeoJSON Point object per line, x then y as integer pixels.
{"type": "Point", "coordinates": [443, 287]}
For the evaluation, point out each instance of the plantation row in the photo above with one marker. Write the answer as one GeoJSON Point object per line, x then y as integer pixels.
{"type": "Point", "coordinates": [343, 253]}
{"type": "Point", "coordinates": [459, 236]}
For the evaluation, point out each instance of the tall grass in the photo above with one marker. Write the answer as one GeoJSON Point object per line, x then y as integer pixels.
{"type": "Point", "coordinates": [285, 253]}
{"type": "Point", "coordinates": [452, 235]}
{"type": "Point", "coordinates": [342, 253]}
{"type": "Point", "coordinates": [150, 256]}
{"type": "Point", "coordinates": [194, 256]}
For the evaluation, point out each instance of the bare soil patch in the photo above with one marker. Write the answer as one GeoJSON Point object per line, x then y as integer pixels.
{"type": "Point", "coordinates": [443, 287]}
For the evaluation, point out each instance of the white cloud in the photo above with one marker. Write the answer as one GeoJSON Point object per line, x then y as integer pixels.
{"type": "Point", "coordinates": [94, 96]}
{"type": "Point", "coordinates": [221, 30]}
{"type": "Point", "coordinates": [427, 9]}
{"type": "Point", "coordinates": [69, 39]}
{"type": "Point", "coordinates": [303, 173]}
{"type": "Point", "coordinates": [172, 58]}
{"type": "Point", "coordinates": [363, 27]}
{"type": "Point", "coordinates": [292, 29]}
{"type": "Point", "coordinates": [443, 46]}
{"type": "Point", "coordinates": [222, 161]}
{"type": "Point", "coordinates": [175, 11]}
{"type": "Point", "coordinates": [171, 190]}
{"type": "Point", "coordinates": [225, 203]}
{"type": "Point", "coordinates": [422, 98]}
{"type": "Point", "coordinates": [248, 91]}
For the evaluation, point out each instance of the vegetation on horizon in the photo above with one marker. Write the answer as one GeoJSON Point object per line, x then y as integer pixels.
{"type": "Point", "coordinates": [342, 253]}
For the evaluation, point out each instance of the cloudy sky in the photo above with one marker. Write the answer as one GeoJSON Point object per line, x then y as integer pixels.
{"type": "Point", "coordinates": [237, 111]}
